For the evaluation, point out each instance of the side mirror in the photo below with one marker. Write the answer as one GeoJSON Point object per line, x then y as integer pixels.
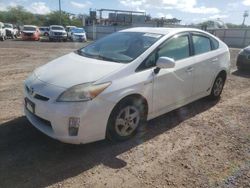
{"type": "Point", "coordinates": [165, 63]}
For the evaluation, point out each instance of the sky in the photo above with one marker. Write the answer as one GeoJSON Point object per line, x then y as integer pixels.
{"type": "Point", "coordinates": [189, 11]}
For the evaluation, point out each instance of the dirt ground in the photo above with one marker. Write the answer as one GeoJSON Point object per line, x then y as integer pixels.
{"type": "Point", "coordinates": [204, 144]}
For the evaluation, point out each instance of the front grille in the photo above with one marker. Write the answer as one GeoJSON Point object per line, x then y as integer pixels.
{"type": "Point", "coordinates": [57, 33]}
{"type": "Point", "coordinates": [40, 97]}
{"type": "Point", "coordinates": [36, 95]}
{"type": "Point", "coordinates": [28, 34]}
{"type": "Point", "coordinates": [44, 121]}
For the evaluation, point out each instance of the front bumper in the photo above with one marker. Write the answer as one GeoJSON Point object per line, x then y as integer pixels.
{"type": "Point", "coordinates": [58, 37]}
{"type": "Point", "coordinates": [79, 38]}
{"type": "Point", "coordinates": [33, 37]}
{"type": "Point", "coordinates": [243, 61]}
{"type": "Point", "coordinates": [52, 118]}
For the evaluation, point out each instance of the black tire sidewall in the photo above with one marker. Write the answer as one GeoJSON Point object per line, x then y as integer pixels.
{"type": "Point", "coordinates": [212, 95]}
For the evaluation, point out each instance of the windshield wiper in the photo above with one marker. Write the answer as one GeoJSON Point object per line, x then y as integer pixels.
{"type": "Point", "coordinates": [107, 58]}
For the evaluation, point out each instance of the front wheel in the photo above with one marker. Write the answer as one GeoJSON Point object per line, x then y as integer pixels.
{"type": "Point", "coordinates": [217, 87]}
{"type": "Point", "coordinates": [125, 119]}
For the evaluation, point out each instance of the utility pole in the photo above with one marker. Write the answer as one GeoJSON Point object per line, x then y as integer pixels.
{"type": "Point", "coordinates": [246, 14]}
{"type": "Point", "coordinates": [60, 12]}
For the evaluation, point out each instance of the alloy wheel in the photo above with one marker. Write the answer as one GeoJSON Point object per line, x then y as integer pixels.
{"type": "Point", "coordinates": [127, 121]}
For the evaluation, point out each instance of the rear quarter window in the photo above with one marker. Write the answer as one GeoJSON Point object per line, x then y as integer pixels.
{"type": "Point", "coordinates": [215, 43]}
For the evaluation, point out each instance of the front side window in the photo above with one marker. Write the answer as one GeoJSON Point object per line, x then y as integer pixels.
{"type": "Point", "coordinates": [176, 48]}
{"type": "Point", "coordinates": [202, 44]}
{"type": "Point", "coordinates": [121, 47]}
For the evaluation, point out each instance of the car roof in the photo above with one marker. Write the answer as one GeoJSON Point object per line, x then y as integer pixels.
{"type": "Point", "coordinates": [160, 30]}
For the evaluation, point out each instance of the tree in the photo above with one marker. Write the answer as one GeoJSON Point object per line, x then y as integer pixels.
{"type": "Point", "coordinates": [20, 16]}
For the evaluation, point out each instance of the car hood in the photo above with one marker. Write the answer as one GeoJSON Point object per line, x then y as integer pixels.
{"type": "Point", "coordinates": [247, 49]}
{"type": "Point", "coordinates": [29, 31]}
{"type": "Point", "coordinates": [58, 31]}
{"type": "Point", "coordinates": [79, 34]}
{"type": "Point", "coordinates": [73, 69]}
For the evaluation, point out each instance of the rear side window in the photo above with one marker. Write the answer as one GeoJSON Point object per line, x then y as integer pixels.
{"type": "Point", "coordinates": [202, 44]}
{"type": "Point", "coordinates": [176, 48]}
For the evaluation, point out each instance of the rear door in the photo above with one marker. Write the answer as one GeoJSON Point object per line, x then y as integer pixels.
{"type": "Point", "coordinates": [206, 62]}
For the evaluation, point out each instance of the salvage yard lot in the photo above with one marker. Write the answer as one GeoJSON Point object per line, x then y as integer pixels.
{"type": "Point", "coordinates": [204, 144]}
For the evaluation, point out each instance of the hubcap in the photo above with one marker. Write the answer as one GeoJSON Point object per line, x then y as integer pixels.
{"type": "Point", "coordinates": [218, 86]}
{"type": "Point", "coordinates": [127, 121]}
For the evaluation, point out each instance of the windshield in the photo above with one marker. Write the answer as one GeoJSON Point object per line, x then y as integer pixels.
{"type": "Point", "coordinates": [57, 28]}
{"type": "Point", "coordinates": [29, 29]}
{"type": "Point", "coordinates": [122, 47]}
{"type": "Point", "coordinates": [78, 30]}
{"type": "Point", "coordinates": [7, 26]}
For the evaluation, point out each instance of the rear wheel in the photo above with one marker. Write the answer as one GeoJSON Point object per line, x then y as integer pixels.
{"type": "Point", "coordinates": [218, 86]}
{"type": "Point", "coordinates": [125, 119]}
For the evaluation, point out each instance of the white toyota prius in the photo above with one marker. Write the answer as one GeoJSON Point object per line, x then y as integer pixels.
{"type": "Point", "coordinates": [111, 87]}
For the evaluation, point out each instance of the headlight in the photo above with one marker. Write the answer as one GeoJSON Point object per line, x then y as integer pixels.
{"type": "Point", "coordinates": [82, 92]}
{"type": "Point", "coordinates": [242, 51]}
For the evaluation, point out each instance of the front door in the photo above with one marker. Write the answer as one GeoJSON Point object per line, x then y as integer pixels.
{"type": "Point", "coordinates": [174, 85]}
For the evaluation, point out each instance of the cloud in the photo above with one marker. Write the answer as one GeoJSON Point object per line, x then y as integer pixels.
{"type": "Point", "coordinates": [81, 5]}
{"type": "Point", "coordinates": [39, 8]}
{"type": "Point", "coordinates": [2, 7]}
{"type": "Point", "coordinates": [181, 5]}
{"type": "Point", "coordinates": [246, 2]}
{"type": "Point", "coordinates": [162, 15]}
{"type": "Point", "coordinates": [218, 16]}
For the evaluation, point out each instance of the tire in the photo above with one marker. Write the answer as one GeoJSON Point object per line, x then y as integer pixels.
{"type": "Point", "coordinates": [51, 39]}
{"type": "Point", "coordinates": [126, 118]}
{"type": "Point", "coordinates": [217, 87]}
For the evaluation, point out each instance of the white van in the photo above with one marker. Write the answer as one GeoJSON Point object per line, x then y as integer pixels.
{"type": "Point", "coordinates": [2, 32]}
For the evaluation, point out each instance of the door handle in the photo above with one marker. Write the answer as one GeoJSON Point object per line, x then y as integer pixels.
{"type": "Point", "coordinates": [190, 69]}
{"type": "Point", "coordinates": [214, 60]}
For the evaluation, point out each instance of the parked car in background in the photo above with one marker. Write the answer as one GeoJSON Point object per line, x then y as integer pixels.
{"type": "Point", "coordinates": [109, 88]}
{"type": "Point", "coordinates": [243, 59]}
{"type": "Point", "coordinates": [78, 34]}
{"type": "Point", "coordinates": [30, 32]}
{"type": "Point", "coordinates": [68, 30]}
{"type": "Point", "coordinates": [2, 32]}
{"type": "Point", "coordinates": [57, 32]}
{"type": "Point", "coordinates": [10, 32]}
{"type": "Point", "coordinates": [44, 31]}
